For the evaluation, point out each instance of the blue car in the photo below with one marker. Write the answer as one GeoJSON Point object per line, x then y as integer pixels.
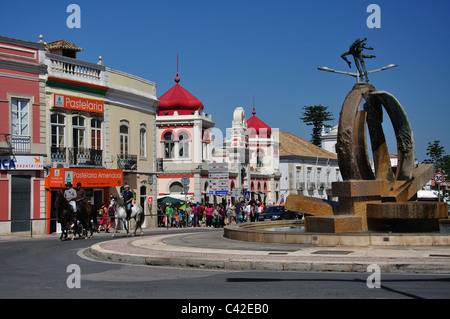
{"type": "Point", "coordinates": [278, 213]}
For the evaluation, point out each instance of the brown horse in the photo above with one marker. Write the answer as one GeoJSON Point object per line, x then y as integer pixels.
{"type": "Point", "coordinates": [65, 214]}
{"type": "Point", "coordinates": [85, 215]}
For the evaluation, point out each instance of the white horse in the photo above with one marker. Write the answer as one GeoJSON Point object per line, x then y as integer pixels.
{"type": "Point", "coordinates": [121, 214]}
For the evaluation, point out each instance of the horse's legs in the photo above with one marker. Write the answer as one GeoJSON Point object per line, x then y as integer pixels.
{"type": "Point", "coordinates": [135, 228]}
{"type": "Point", "coordinates": [125, 224]}
{"type": "Point", "coordinates": [139, 222]}
{"type": "Point", "coordinates": [115, 228]}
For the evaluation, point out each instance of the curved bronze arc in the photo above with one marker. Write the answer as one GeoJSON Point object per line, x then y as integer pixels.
{"type": "Point", "coordinates": [351, 146]}
{"type": "Point", "coordinates": [381, 159]}
{"type": "Point", "coordinates": [403, 134]}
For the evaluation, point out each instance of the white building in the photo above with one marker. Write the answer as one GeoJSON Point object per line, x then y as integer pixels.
{"type": "Point", "coordinates": [251, 149]}
{"type": "Point", "coordinates": [329, 139]}
{"type": "Point", "coordinates": [183, 138]}
{"type": "Point", "coordinates": [306, 169]}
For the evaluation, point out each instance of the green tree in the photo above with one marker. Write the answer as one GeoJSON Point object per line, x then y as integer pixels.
{"type": "Point", "coordinates": [438, 157]}
{"type": "Point", "coordinates": [436, 153]}
{"type": "Point", "coordinates": [316, 115]}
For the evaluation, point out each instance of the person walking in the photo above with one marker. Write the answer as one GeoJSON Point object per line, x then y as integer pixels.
{"type": "Point", "coordinates": [169, 212]}
{"type": "Point", "coordinates": [223, 215]}
{"type": "Point", "coordinates": [194, 216]}
{"type": "Point", "coordinates": [188, 215]}
{"type": "Point", "coordinates": [200, 215]}
{"type": "Point", "coordinates": [103, 212]}
{"type": "Point", "coordinates": [209, 215]}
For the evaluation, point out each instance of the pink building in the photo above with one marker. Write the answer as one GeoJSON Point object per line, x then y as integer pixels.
{"type": "Point", "coordinates": [22, 134]}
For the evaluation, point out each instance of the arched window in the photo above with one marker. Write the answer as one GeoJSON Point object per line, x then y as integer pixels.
{"type": "Point", "coordinates": [143, 195]}
{"type": "Point", "coordinates": [58, 124]}
{"type": "Point", "coordinates": [58, 139]}
{"type": "Point", "coordinates": [176, 187]}
{"type": "Point", "coordinates": [96, 134]}
{"type": "Point", "coordinates": [259, 158]}
{"type": "Point", "coordinates": [78, 129]}
{"type": "Point", "coordinates": [169, 145]}
{"type": "Point", "coordinates": [183, 145]}
{"type": "Point", "coordinates": [143, 141]}
{"type": "Point", "coordinates": [124, 139]}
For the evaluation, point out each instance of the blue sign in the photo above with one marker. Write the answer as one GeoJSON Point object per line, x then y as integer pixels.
{"type": "Point", "coordinates": [247, 195]}
{"type": "Point", "coordinates": [219, 192]}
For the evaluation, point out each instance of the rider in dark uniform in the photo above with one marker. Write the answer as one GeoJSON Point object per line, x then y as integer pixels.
{"type": "Point", "coordinates": [81, 196]}
{"type": "Point", "coordinates": [127, 200]}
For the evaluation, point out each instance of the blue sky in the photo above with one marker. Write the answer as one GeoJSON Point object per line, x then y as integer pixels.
{"type": "Point", "coordinates": [230, 50]}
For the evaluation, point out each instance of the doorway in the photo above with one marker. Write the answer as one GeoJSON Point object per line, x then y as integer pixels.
{"type": "Point", "coordinates": [20, 202]}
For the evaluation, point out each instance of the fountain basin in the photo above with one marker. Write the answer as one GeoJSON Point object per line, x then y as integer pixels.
{"type": "Point", "coordinates": [259, 232]}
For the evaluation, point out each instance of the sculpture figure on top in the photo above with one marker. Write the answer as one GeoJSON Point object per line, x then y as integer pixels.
{"type": "Point", "coordinates": [356, 50]}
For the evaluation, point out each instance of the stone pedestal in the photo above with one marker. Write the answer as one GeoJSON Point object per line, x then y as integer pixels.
{"type": "Point", "coordinates": [333, 224]}
{"type": "Point", "coordinates": [406, 216]}
{"type": "Point", "coordinates": [355, 195]}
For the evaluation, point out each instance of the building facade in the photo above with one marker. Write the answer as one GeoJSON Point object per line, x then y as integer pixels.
{"type": "Point", "coordinates": [22, 135]}
{"type": "Point", "coordinates": [306, 168]}
{"type": "Point", "coordinates": [183, 144]}
{"type": "Point", "coordinates": [131, 103]}
{"type": "Point", "coordinates": [67, 120]}
{"type": "Point", "coordinates": [252, 153]}
{"type": "Point", "coordinates": [101, 128]}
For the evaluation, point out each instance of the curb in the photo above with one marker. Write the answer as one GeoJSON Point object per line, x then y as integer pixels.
{"type": "Point", "coordinates": [244, 262]}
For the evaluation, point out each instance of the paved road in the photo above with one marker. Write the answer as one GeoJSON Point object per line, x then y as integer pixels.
{"type": "Point", "coordinates": [38, 268]}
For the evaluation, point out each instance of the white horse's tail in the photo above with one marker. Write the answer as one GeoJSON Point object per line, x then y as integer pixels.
{"type": "Point", "coordinates": [139, 217]}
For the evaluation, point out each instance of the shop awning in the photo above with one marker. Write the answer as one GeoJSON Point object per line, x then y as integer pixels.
{"type": "Point", "coordinates": [170, 200]}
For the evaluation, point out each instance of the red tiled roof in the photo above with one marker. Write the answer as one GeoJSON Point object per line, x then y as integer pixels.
{"type": "Point", "coordinates": [62, 44]}
{"type": "Point", "coordinates": [180, 100]}
{"type": "Point", "coordinates": [261, 128]}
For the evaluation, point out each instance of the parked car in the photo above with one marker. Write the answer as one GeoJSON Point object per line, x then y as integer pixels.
{"type": "Point", "coordinates": [278, 213]}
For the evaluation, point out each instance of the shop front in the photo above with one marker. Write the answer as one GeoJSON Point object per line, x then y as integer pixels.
{"type": "Point", "coordinates": [96, 182]}
{"type": "Point", "coordinates": [20, 185]}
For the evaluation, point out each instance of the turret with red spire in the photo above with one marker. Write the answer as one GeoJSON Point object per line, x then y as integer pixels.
{"type": "Point", "coordinates": [179, 100]}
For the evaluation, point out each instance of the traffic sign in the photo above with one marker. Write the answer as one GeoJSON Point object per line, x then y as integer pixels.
{"type": "Point", "coordinates": [150, 199]}
{"type": "Point", "coordinates": [185, 181]}
{"type": "Point", "coordinates": [219, 192]}
{"type": "Point", "coordinates": [439, 178]}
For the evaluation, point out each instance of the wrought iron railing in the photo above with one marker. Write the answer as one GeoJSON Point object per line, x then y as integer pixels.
{"type": "Point", "coordinates": [127, 162]}
{"type": "Point", "coordinates": [85, 156]}
{"type": "Point", "coordinates": [58, 154]}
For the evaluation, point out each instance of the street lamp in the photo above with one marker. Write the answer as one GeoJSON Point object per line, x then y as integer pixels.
{"type": "Point", "coordinates": [357, 75]}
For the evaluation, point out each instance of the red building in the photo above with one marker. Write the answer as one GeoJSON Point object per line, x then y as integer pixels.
{"type": "Point", "coordinates": [22, 135]}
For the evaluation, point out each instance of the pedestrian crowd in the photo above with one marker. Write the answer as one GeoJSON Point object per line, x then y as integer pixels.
{"type": "Point", "coordinates": [209, 215]}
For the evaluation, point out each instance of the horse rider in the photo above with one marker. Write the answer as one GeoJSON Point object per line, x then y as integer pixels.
{"type": "Point", "coordinates": [127, 200]}
{"type": "Point", "coordinates": [71, 195]}
{"type": "Point", "coordinates": [81, 195]}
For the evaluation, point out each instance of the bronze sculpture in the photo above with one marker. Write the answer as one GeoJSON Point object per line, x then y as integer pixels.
{"type": "Point", "coordinates": [356, 51]}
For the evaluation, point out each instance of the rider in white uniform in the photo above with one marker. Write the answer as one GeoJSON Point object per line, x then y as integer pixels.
{"type": "Point", "coordinates": [71, 195]}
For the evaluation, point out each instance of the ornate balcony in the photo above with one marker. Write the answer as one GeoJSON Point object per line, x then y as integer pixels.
{"type": "Point", "coordinates": [21, 144]}
{"type": "Point", "coordinates": [65, 67]}
{"type": "Point", "coordinates": [58, 154]}
{"type": "Point", "coordinates": [85, 156]}
{"type": "Point", "coordinates": [127, 162]}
